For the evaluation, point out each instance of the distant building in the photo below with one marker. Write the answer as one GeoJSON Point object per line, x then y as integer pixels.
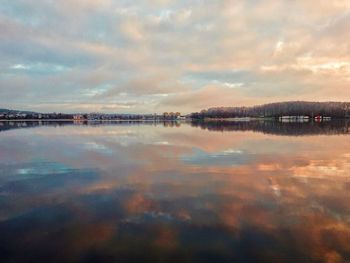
{"type": "Point", "coordinates": [171, 115]}
{"type": "Point", "coordinates": [318, 118]}
{"type": "Point", "coordinates": [78, 117]}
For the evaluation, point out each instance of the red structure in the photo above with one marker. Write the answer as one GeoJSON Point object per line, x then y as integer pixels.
{"type": "Point", "coordinates": [318, 118]}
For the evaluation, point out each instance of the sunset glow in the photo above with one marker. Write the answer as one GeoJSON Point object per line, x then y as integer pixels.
{"type": "Point", "coordinates": [157, 55]}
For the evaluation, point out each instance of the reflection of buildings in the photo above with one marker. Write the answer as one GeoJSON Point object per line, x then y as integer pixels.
{"type": "Point", "coordinates": [9, 125]}
{"type": "Point", "coordinates": [289, 128]}
{"type": "Point", "coordinates": [268, 127]}
{"type": "Point", "coordinates": [318, 118]}
{"type": "Point", "coordinates": [294, 118]}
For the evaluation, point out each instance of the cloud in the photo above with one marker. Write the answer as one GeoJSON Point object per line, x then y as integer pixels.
{"type": "Point", "coordinates": [209, 96]}
{"type": "Point", "coordinates": [83, 52]}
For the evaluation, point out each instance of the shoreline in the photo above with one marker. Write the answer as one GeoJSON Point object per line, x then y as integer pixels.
{"type": "Point", "coordinates": [243, 119]}
{"type": "Point", "coordinates": [70, 120]}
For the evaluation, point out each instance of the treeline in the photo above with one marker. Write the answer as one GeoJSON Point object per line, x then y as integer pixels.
{"type": "Point", "coordinates": [26, 115]}
{"type": "Point", "coordinates": [291, 108]}
{"type": "Point", "coordinates": [34, 116]}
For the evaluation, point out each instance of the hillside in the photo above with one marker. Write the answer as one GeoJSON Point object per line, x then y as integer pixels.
{"type": "Point", "coordinates": [15, 111]}
{"type": "Point", "coordinates": [289, 108]}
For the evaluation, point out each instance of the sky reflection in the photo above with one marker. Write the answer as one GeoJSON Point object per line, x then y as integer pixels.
{"type": "Point", "coordinates": [152, 193]}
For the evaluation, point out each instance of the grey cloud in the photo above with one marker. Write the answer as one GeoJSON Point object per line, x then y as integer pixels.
{"type": "Point", "coordinates": [86, 52]}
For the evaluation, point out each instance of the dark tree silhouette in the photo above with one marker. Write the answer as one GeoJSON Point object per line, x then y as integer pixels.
{"type": "Point", "coordinates": [290, 108]}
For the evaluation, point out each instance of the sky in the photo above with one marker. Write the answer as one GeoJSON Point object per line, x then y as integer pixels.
{"type": "Point", "coordinates": [147, 56]}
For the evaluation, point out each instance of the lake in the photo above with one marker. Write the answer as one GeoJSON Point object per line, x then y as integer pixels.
{"type": "Point", "coordinates": [174, 192]}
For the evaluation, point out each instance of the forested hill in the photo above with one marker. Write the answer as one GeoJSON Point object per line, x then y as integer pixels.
{"type": "Point", "coordinates": [2, 111]}
{"type": "Point", "coordinates": [290, 108]}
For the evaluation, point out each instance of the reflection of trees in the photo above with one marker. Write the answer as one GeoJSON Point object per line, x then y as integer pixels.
{"type": "Point", "coordinates": [9, 125]}
{"type": "Point", "coordinates": [278, 128]}
{"type": "Point", "coordinates": [268, 127]}
{"type": "Point", "coordinates": [171, 124]}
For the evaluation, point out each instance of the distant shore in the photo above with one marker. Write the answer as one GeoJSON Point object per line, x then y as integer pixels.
{"type": "Point", "coordinates": [240, 119]}
{"type": "Point", "coordinates": [71, 120]}
{"type": "Point", "coordinates": [207, 119]}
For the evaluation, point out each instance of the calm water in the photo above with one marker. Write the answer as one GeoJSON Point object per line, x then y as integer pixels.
{"type": "Point", "coordinates": [200, 192]}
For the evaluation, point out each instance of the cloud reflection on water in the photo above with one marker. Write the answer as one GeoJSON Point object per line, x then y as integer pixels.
{"type": "Point", "coordinates": [101, 192]}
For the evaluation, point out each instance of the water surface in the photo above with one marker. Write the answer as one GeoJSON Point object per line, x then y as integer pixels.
{"type": "Point", "coordinates": [174, 192]}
